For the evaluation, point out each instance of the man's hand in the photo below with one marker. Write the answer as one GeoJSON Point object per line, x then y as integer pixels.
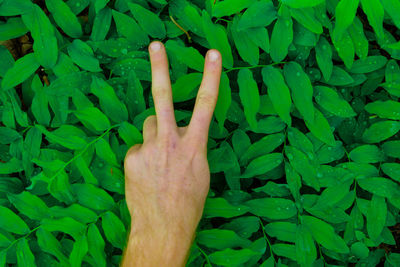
{"type": "Point", "coordinates": [167, 178]}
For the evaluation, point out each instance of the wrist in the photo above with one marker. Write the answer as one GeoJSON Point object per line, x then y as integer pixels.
{"type": "Point", "coordinates": [155, 246]}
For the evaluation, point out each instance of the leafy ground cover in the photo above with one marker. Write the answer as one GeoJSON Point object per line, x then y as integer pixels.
{"type": "Point", "coordinates": [304, 149]}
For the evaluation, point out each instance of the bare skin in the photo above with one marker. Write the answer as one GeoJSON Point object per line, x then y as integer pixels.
{"type": "Point", "coordinates": [167, 178]}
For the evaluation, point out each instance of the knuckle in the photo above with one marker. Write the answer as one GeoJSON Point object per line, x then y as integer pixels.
{"type": "Point", "coordinates": [132, 152]}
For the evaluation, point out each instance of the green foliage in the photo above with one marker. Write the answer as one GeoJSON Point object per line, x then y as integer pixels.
{"type": "Point", "coordinates": [303, 150]}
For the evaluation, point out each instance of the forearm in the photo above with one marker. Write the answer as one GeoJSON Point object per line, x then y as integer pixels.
{"type": "Point", "coordinates": [161, 249]}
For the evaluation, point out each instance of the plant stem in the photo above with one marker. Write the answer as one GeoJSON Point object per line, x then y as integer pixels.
{"type": "Point", "coordinates": [266, 238]}
{"type": "Point", "coordinates": [252, 67]}
{"type": "Point", "coordinates": [82, 152]}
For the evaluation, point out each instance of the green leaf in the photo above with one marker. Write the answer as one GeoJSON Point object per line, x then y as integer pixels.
{"type": "Point", "coordinates": [186, 87]}
{"type": "Point", "coordinates": [224, 101]}
{"type": "Point", "coordinates": [82, 55]}
{"type": "Point", "coordinates": [260, 37]}
{"type": "Point", "coordinates": [321, 129]}
{"type": "Point", "coordinates": [366, 154]}
{"type": "Point", "coordinates": [222, 158]}
{"type": "Point", "coordinates": [14, 7]}
{"type": "Point", "coordinates": [272, 208]}
{"type": "Point", "coordinates": [79, 251]}
{"type": "Point", "coordinates": [76, 212]}
{"type": "Point", "coordinates": [392, 170]}
{"type": "Point", "coordinates": [376, 216]}
{"type": "Point", "coordinates": [323, 54]}
{"type": "Point", "coordinates": [217, 38]}
{"type": "Point", "coordinates": [105, 152]}
{"type": "Point", "coordinates": [130, 134]}
{"type": "Point", "coordinates": [93, 119]}
{"type": "Point", "coordinates": [29, 205]}
{"type": "Point", "coordinates": [134, 95]}
{"type": "Point", "coordinates": [293, 180]}
{"type": "Point", "coordinates": [306, 252]}
{"type": "Point", "coordinates": [240, 142]}
{"type": "Point", "coordinates": [360, 42]}
{"type": "Point", "coordinates": [259, 14]}
{"type": "Point", "coordinates": [284, 231]}
{"type": "Point", "coordinates": [22, 69]}
{"type": "Point", "coordinates": [13, 28]}
{"type": "Point", "coordinates": [375, 13]}
{"type": "Point", "coordinates": [49, 244]}
{"type": "Point", "coordinates": [392, 7]}
{"type": "Point", "coordinates": [301, 88]}
{"type": "Point", "coordinates": [127, 27]}
{"type": "Point", "coordinates": [339, 77]}
{"type": "Point", "coordinates": [301, 163]}
{"type": "Point", "coordinates": [100, 4]}
{"type": "Point", "coordinates": [40, 102]}
{"type": "Point", "coordinates": [380, 131]}
{"type": "Point", "coordinates": [7, 60]}
{"type": "Point", "coordinates": [278, 92]}
{"type": "Point", "coordinates": [25, 256]}
{"type": "Point", "coordinates": [221, 239]}
{"type": "Point", "coordinates": [281, 38]}
{"type": "Point", "coordinates": [244, 226]}
{"type": "Point", "coordinates": [330, 100]}
{"type": "Point", "coordinates": [230, 7]}
{"type": "Point", "coordinates": [249, 96]}
{"type": "Point", "coordinates": [324, 234]}
{"type": "Point", "coordinates": [188, 14]}
{"type": "Point", "coordinates": [66, 225]}
{"type": "Point", "coordinates": [93, 197]}
{"type": "Point", "coordinates": [284, 250]}
{"type": "Point", "coordinates": [149, 21]}
{"type": "Point", "coordinates": [219, 207]}
{"type": "Point", "coordinates": [246, 48]}
{"type": "Point", "coordinates": [265, 145]}
{"type": "Point", "coordinates": [43, 33]}
{"type": "Point", "coordinates": [388, 109]}
{"type": "Point", "coordinates": [368, 64]}
{"type": "Point", "coordinates": [109, 102]}
{"type": "Point", "coordinates": [302, 3]}
{"type": "Point", "coordinates": [187, 55]}
{"type": "Point", "coordinates": [114, 229]}
{"type": "Point", "coordinates": [344, 13]}
{"type": "Point", "coordinates": [7, 135]}
{"type": "Point", "coordinates": [64, 18]}
{"type": "Point", "coordinates": [11, 166]}
{"type": "Point", "coordinates": [96, 245]}
{"type": "Point", "coordinates": [67, 135]}
{"type": "Point", "coordinates": [262, 164]}
{"type": "Point", "coordinates": [345, 48]}
{"type": "Point", "coordinates": [360, 250]}
{"type": "Point", "coordinates": [228, 256]}
{"type": "Point", "coordinates": [391, 148]}
{"type": "Point", "coordinates": [12, 223]}
{"type": "Point", "coordinates": [306, 17]}
{"type": "Point", "coordinates": [101, 24]}
{"type": "Point", "coordinates": [380, 186]}
{"type": "Point", "coordinates": [269, 125]}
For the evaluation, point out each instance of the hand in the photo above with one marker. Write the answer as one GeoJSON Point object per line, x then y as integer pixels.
{"type": "Point", "coordinates": [167, 178]}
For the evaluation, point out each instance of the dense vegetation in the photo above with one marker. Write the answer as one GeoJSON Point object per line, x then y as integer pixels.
{"type": "Point", "coordinates": [304, 149]}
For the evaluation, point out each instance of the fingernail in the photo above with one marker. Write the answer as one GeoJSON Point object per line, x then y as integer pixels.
{"type": "Point", "coordinates": [155, 46]}
{"type": "Point", "coordinates": [213, 56]}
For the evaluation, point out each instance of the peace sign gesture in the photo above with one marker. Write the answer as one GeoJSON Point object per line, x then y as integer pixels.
{"type": "Point", "coordinates": [164, 122]}
{"type": "Point", "coordinates": [167, 177]}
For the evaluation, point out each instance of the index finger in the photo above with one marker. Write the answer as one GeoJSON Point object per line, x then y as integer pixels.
{"type": "Point", "coordinates": [161, 88]}
{"type": "Point", "coordinates": [207, 97]}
